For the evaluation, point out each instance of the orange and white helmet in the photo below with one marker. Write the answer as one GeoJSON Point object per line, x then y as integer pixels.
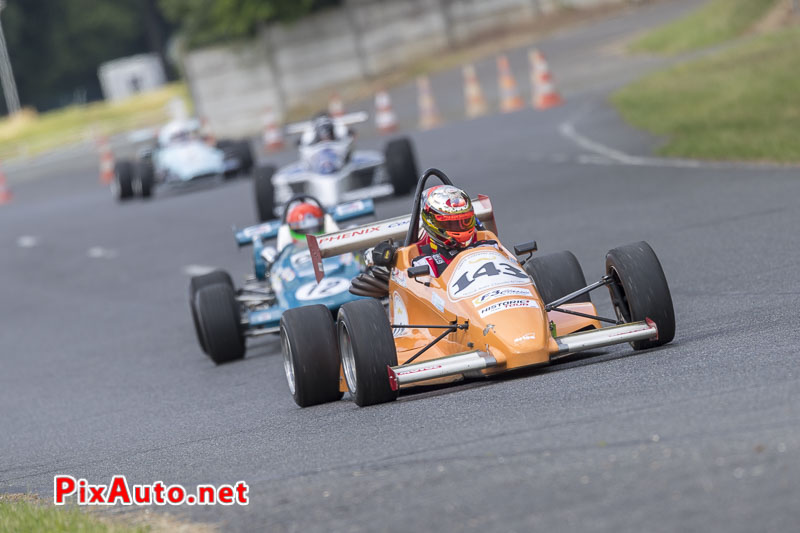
{"type": "Point", "coordinates": [305, 218]}
{"type": "Point", "coordinates": [448, 217]}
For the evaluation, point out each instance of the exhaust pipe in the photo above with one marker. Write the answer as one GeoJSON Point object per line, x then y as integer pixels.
{"type": "Point", "coordinates": [600, 338]}
{"type": "Point", "coordinates": [437, 368]}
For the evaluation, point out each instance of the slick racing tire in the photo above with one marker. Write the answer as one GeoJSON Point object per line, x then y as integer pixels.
{"type": "Point", "coordinates": [220, 322]}
{"type": "Point", "coordinates": [310, 355]}
{"type": "Point", "coordinates": [122, 187]}
{"type": "Point", "coordinates": [401, 165]}
{"type": "Point", "coordinates": [367, 348]}
{"type": "Point", "coordinates": [244, 152]}
{"type": "Point", "coordinates": [556, 275]}
{"type": "Point", "coordinates": [143, 183]}
{"type": "Point", "coordinates": [264, 193]}
{"type": "Point", "coordinates": [197, 283]}
{"type": "Point", "coordinates": [639, 290]}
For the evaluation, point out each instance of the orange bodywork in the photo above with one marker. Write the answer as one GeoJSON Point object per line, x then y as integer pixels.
{"type": "Point", "coordinates": [486, 287]}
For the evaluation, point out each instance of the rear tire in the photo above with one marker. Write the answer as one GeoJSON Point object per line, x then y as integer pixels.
{"type": "Point", "coordinates": [264, 193]}
{"type": "Point", "coordinates": [122, 187]}
{"type": "Point", "coordinates": [640, 290]}
{"type": "Point", "coordinates": [401, 164]}
{"type": "Point", "coordinates": [197, 283]}
{"type": "Point", "coordinates": [367, 348]}
{"type": "Point", "coordinates": [556, 275]}
{"type": "Point", "coordinates": [245, 154]}
{"type": "Point", "coordinates": [220, 322]}
{"type": "Point", "coordinates": [310, 355]}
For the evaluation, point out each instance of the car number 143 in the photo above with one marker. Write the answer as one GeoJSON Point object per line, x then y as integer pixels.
{"type": "Point", "coordinates": [472, 277]}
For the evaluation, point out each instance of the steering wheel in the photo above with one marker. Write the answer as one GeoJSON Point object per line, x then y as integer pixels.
{"type": "Point", "coordinates": [301, 197]}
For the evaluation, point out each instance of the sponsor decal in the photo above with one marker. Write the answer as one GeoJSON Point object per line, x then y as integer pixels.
{"type": "Point", "coordinates": [398, 224]}
{"type": "Point", "coordinates": [506, 305]}
{"type": "Point", "coordinates": [526, 337]}
{"type": "Point", "coordinates": [399, 277]}
{"type": "Point", "coordinates": [348, 234]}
{"type": "Point", "coordinates": [266, 227]}
{"type": "Point", "coordinates": [300, 260]}
{"type": "Point", "coordinates": [500, 293]}
{"type": "Point", "coordinates": [484, 270]}
{"type": "Point", "coordinates": [352, 207]}
{"type": "Point", "coordinates": [287, 274]}
{"type": "Point", "coordinates": [437, 302]}
{"type": "Point", "coordinates": [399, 315]}
{"type": "Point", "coordinates": [324, 289]}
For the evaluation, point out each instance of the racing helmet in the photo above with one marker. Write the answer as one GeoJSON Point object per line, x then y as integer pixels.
{"type": "Point", "coordinates": [324, 128]}
{"type": "Point", "coordinates": [305, 218]}
{"type": "Point", "coordinates": [448, 217]}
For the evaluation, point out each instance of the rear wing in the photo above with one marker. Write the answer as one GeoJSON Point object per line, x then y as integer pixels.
{"type": "Point", "coordinates": [269, 230]}
{"type": "Point", "coordinates": [362, 237]}
{"type": "Point", "coordinates": [344, 120]}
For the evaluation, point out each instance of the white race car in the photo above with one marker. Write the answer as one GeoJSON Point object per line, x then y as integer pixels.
{"type": "Point", "coordinates": [181, 155]}
{"type": "Point", "coordinates": [331, 170]}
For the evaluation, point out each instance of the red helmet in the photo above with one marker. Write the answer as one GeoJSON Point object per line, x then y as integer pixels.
{"type": "Point", "coordinates": [304, 218]}
{"type": "Point", "coordinates": [448, 216]}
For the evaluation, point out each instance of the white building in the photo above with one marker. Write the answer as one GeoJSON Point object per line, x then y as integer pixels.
{"type": "Point", "coordinates": [127, 76]}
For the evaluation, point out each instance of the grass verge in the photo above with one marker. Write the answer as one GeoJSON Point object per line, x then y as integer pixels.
{"type": "Point", "coordinates": [713, 23]}
{"type": "Point", "coordinates": [22, 515]}
{"type": "Point", "coordinates": [29, 133]}
{"type": "Point", "coordinates": [739, 104]}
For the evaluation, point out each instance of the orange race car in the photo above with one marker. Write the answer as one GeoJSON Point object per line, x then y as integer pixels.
{"type": "Point", "coordinates": [486, 313]}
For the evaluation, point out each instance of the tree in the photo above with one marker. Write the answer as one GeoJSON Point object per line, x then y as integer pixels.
{"type": "Point", "coordinates": [56, 47]}
{"type": "Point", "coordinates": [209, 21]}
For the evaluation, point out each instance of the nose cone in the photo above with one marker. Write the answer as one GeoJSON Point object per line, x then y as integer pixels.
{"type": "Point", "coordinates": [516, 327]}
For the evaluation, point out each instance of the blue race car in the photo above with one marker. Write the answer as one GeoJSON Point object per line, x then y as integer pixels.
{"type": "Point", "coordinates": [283, 279]}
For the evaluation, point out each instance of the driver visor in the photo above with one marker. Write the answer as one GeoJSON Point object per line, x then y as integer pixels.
{"type": "Point", "coordinates": [459, 222]}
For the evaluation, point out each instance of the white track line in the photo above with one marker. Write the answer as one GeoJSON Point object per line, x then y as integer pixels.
{"type": "Point", "coordinates": [98, 252]}
{"type": "Point", "coordinates": [27, 241]}
{"type": "Point", "coordinates": [197, 270]}
{"type": "Point", "coordinates": [611, 156]}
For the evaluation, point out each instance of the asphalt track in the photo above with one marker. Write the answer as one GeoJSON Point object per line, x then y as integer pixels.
{"type": "Point", "coordinates": [101, 374]}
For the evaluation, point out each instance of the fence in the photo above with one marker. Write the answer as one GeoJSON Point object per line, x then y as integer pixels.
{"type": "Point", "coordinates": [234, 85]}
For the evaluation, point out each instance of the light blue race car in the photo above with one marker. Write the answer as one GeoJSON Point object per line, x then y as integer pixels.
{"type": "Point", "coordinates": [181, 156]}
{"type": "Point", "coordinates": [283, 278]}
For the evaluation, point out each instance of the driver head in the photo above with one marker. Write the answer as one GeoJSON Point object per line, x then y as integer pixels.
{"type": "Point", "coordinates": [448, 217]}
{"type": "Point", "coordinates": [324, 128]}
{"type": "Point", "coordinates": [305, 218]}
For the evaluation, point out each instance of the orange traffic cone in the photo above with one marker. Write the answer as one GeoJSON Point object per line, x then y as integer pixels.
{"type": "Point", "coordinates": [273, 134]}
{"type": "Point", "coordinates": [207, 133]}
{"type": "Point", "coordinates": [473, 94]}
{"type": "Point", "coordinates": [106, 161]}
{"type": "Point", "coordinates": [510, 100]}
{"type": "Point", "coordinates": [335, 106]}
{"type": "Point", "coordinates": [545, 95]}
{"type": "Point", "coordinates": [428, 113]}
{"type": "Point", "coordinates": [5, 192]}
{"type": "Point", "coordinates": [385, 119]}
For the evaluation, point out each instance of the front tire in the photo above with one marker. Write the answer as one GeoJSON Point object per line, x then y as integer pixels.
{"type": "Point", "coordinates": [310, 355]}
{"type": "Point", "coordinates": [123, 180]}
{"type": "Point", "coordinates": [639, 290]}
{"type": "Point", "coordinates": [197, 283]}
{"type": "Point", "coordinates": [264, 193]}
{"type": "Point", "coordinates": [144, 179]}
{"type": "Point", "coordinates": [401, 164]}
{"type": "Point", "coordinates": [220, 323]}
{"type": "Point", "coordinates": [367, 348]}
{"type": "Point", "coordinates": [556, 275]}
